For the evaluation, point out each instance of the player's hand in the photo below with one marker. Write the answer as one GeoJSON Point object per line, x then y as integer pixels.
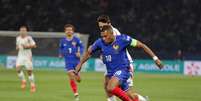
{"type": "Point", "coordinates": [26, 47]}
{"type": "Point", "coordinates": [77, 77]}
{"type": "Point", "coordinates": [159, 64]}
{"type": "Point", "coordinates": [78, 54]}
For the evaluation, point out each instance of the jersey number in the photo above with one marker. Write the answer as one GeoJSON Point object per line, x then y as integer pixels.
{"type": "Point", "coordinates": [69, 50]}
{"type": "Point", "coordinates": [108, 58]}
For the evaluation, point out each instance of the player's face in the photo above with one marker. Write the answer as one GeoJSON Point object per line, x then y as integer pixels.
{"type": "Point", "coordinates": [101, 24]}
{"type": "Point", "coordinates": [23, 31]}
{"type": "Point", "coordinates": [69, 30]}
{"type": "Point", "coordinates": [107, 37]}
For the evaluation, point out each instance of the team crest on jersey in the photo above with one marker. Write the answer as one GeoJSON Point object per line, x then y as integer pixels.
{"type": "Point", "coordinates": [74, 43]}
{"type": "Point", "coordinates": [116, 47]}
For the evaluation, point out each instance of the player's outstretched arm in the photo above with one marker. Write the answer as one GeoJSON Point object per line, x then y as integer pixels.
{"type": "Point", "coordinates": [85, 57]}
{"type": "Point", "coordinates": [149, 52]}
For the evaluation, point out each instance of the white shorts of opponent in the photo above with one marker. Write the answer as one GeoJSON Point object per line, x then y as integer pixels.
{"type": "Point", "coordinates": [24, 61]}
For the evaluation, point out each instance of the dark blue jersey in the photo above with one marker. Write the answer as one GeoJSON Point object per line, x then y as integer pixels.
{"type": "Point", "coordinates": [69, 48]}
{"type": "Point", "coordinates": [114, 54]}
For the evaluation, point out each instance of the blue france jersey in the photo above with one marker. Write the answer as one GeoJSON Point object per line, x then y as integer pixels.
{"type": "Point", "coordinates": [114, 54]}
{"type": "Point", "coordinates": [69, 48]}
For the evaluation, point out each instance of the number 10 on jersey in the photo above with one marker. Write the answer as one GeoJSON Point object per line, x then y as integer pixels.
{"type": "Point", "coordinates": [108, 58]}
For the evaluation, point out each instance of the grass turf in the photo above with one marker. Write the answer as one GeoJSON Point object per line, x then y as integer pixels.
{"type": "Point", "coordinates": [54, 86]}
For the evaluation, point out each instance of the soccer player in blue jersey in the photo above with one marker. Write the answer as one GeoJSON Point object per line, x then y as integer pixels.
{"type": "Point", "coordinates": [105, 20]}
{"type": "Point", "coordinates": [71, 47]}
{"type": "Point", "coordinates": [113, 50]}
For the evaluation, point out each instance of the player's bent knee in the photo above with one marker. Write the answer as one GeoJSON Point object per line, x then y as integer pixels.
{"type": "Point", "coordinates": [29, 72]}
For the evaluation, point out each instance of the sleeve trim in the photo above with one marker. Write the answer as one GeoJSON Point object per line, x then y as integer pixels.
{"type": "Point", "coordinates": [133, 42]}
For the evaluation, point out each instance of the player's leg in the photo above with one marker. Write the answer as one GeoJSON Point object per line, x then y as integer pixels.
{"type": "Point", "coordinates": [113, 86]}
{"type": "Point", "coordinates": [131, 91]}
{"type": "Point", "coordinates": [20, 73]}
{"type": "Point", "coordinates": [73, 83]}
{"type": "Point", "coordinates": [135, 96]}
{"type": "Point", "coordinates": [110, 97]}
{"type": "Point", "coordinates": [132, 94]}
{"type": "Point", "coordinates": [31, 80]}
{"type": "Point", "coordinates": [72, 79]}
{"type": "Point", "coordinates": [29, 67]}
{"type": "Point", "coordinates": [21, 76]}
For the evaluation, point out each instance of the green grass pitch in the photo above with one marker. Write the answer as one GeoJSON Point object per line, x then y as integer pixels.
{"type": "Point", "coordinates": [53, 86]}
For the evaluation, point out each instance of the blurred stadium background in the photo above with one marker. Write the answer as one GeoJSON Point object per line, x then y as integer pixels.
{"type": "Point", "coordinates": [172, 28]}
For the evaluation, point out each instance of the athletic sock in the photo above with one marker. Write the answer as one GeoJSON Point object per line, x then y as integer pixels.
{"type": "Point", "coordinates": [121, 94]}
{"type": "Point", "coordinates": [112, 98]}
{"type": "Point", "coordinates": [141, 98]}
{"type": "Point", "coordinates": [73, 86]}
{"type": "Point", "coordinates": [31, 79]}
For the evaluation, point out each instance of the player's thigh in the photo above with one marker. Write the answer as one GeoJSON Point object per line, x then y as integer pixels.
{"type": "Point", "coordinates": [28, 65]}
{"type": "Point", "coordinates": [112, 83]}
{"type": "Point", "coordinates": [19, 63]}
{"type": "Point", "coordinates": [18, 68]}
{"type": "Point", "coordinates": [71, 74]}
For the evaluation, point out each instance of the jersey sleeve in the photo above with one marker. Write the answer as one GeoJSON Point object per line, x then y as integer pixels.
{"type": "Point", "coordinates": [81, 46]}
{"type": "Point", "coordinates": [116, 31]}
{"type": "Point", "coordinates": [96, 45]}
{"type": "Point", "coordinates": [129, 41]}
{"type": "Point", "coordinates": [31, 41]}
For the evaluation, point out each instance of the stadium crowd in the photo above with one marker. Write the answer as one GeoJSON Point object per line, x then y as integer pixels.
{"type": "Point", "coordinates": [170, 27]}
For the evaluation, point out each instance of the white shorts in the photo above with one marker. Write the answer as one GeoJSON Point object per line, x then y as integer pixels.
{"type": "Point", "coordinates": [26, 62]}
{"type": "Point", "coordinates": [130, 81]}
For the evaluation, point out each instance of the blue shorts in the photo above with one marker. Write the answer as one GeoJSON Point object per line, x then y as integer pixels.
{"type": "Point", "coordinates": [123, 76]}
{"type": "Point", "coordinates": [70, 67]}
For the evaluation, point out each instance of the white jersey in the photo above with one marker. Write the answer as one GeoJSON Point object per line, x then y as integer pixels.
{"type": "Point", "coordinates": [116, 31]}
{"type": "Point", "coordinates": [20, 42]}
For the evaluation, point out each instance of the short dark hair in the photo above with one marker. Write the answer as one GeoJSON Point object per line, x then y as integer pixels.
{"type": "Point", "coordinates": [69, 25]}
{"type": "Point", "coordinates": [104, 19]}
{"type": "Point", "coordinates": [107, 28]}
{"type": "Point", "coordinates": [24, 26]}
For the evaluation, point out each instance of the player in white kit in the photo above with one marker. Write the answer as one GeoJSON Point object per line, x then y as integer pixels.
{"type": "Point", "coordinates": [24, 44]}
{"type": "Point", "coordinates": [105, 20]}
